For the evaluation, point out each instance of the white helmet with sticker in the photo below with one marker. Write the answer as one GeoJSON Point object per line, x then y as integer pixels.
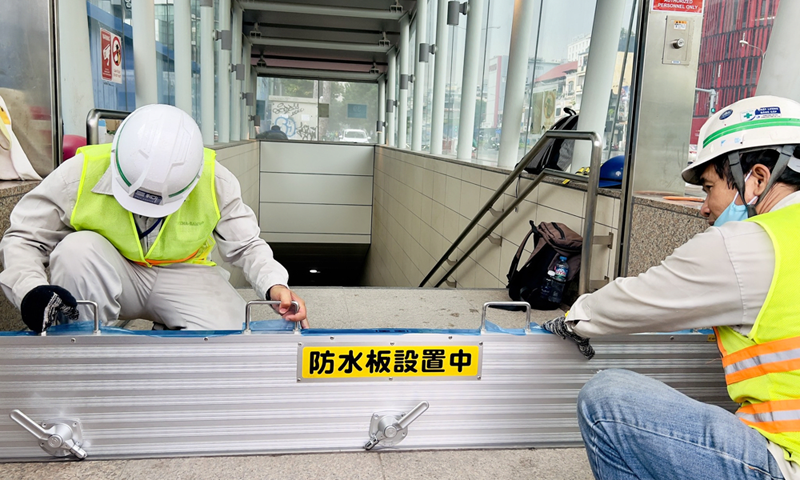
{"type": "Point", "coordinates": [156, 160]}
{"type": "Point", "coordinates": [749, 124]}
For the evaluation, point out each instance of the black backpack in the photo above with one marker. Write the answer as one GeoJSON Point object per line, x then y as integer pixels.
{"type": "Point", "coordinates": [550, 240]}
{"type": "Point", "coordinates": [558, 154]}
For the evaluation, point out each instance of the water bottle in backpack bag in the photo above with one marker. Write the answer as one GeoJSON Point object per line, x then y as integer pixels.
{"type": "Point", "coordinates": [547, 287]}
{"type": "Point", "coordinates": [559, 280]}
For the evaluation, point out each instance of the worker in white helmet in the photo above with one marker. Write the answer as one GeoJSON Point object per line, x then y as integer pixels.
{"type": "Point", "coordinates": [740, 276]}
{"type": "Point", "coordinates": [130, 225]}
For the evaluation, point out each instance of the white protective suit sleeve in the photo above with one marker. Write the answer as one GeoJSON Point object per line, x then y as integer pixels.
{"type": "Point", "coordinates": [719, 277]}
{"type": "Point", "coordinates": [39, 221]}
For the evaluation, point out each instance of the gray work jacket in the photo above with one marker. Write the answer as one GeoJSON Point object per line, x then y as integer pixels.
{"type": "Point", "coordinates": [41, 220]}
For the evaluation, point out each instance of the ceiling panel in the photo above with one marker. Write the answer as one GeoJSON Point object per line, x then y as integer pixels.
{"type": "Point", "coordinates": [322, 26]}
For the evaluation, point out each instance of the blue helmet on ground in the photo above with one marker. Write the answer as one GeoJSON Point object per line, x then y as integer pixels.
{"type": "Point", "coordinates": [611, 172]}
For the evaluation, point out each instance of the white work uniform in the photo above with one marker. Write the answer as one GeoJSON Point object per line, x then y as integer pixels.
{"type": "Point", "coordinates": [86, 264]}
{"type": "Point", "coordinates": [719, 277]}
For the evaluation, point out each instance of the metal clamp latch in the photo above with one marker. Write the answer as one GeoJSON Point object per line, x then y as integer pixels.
{"type": "Point", "coordinates": [387, 429]}
{"type": "Point", "coordinates": [58, 437]}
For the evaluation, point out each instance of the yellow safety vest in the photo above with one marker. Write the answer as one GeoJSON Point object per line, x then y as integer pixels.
{"type": "Point", "coordinates": [185, 236]}
{"type": "Point", "coordinates": [762, 369]}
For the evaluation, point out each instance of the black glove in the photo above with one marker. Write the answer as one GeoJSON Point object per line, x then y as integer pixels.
{"type": "Point", "coordinates": [559, 327]}
{"type": "Point", "coordinates": [43, 306]}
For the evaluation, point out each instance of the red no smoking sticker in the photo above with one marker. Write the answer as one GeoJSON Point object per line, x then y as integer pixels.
{"type": "Point", "coordinates": [682, 6]}
{"type": "Point", "coordinates": [111, 56]}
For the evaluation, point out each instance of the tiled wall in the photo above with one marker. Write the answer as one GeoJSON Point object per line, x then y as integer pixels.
{"type": "Point", "coordinates": [316, 192]}
{"type": "Point", "coordinates": [241, 159]}
{"type": "Point", "coordinates": [422, 203]}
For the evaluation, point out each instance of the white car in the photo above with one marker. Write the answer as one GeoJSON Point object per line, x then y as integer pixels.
{"type": "Point", "coordinates": [355, 136]}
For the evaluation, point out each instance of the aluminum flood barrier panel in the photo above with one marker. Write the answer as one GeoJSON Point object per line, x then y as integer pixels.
{"type": "Point", "coordinates": [123, 395]}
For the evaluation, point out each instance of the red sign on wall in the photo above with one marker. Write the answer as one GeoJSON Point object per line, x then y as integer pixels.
{"type": "Point", "coordinates": [111, 56]}
{"type": "Point", "coordinates": [681, 6]}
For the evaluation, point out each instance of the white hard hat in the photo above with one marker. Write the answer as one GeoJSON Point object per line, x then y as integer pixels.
{"type": "Point", "coordinates": [749, 124]}
{"type": "Point", "coordinates": [157, 158]}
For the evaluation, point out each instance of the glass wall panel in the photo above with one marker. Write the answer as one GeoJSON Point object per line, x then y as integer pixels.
{"type": "Point", "coordinates": [165, 44]}
{"type": "Point", "coordinates": [616, 130]}
{"type": "Point", "coordinates": [452, 96]}
{"type": "Point", "coordinates": [114, 19]}
{"type": "Point", "coordinates": [495, 44]}
{"type": "Point", "coordinates": [428, 97]}
{"type": "Point", "coordinates": [313, 110]}
{"type": "Point", "coordinates": [353, 112]}
{"type": "Point", "coordinates": [557, 64]}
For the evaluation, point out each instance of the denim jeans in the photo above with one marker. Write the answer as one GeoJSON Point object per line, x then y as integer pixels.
{"type": "Point", "coordinates": [635, 427]}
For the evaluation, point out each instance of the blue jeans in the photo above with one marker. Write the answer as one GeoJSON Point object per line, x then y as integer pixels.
{"type": "Point", "coordinates": [635, 427]}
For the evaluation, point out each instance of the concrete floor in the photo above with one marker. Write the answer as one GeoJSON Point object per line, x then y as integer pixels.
{"type": "Point", "coordinates": [331, 307]}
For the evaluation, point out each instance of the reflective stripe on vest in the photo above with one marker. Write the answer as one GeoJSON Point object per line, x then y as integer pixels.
{"type": "Point", "coordinates": [762, 369]}
{"type": "Point", "coordinates": [186, 236]}
{"type": "Point", "coordinates": [761, 359]}
{"type": "Point", "coordinates": [774, 417]}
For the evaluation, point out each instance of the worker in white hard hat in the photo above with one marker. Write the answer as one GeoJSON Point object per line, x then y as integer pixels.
{"type": "Point", "coordinates": [130, 225]}
{"type": "Point", "coordinates": [740, 277]}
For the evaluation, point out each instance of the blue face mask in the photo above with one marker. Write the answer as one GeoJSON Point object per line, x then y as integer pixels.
{"type": "Point", "coordinates": [734, 212]}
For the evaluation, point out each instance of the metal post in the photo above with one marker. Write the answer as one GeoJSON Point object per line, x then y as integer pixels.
{"type": "Point", "coordinates": [524, 15]}
{"type": "Point", "coordinates": [419, 76]}
{"type": "Point", "coordinates": [712, 99]}
{"type": "Point", "coordinates": [207, 74]}
{"type": "Point", "coordinates": [469, 83]}
{"type": "Point", "coordinates": [439, 77]}
{"type": "Point", "coordinates": [143, 15]}
{"type": "Point", "coordinates": [253, 110]}
{"type": "Point", "coordinates": [244, 123]}
{"type": "Point", "coordinates": [381, 110]}
{"type": "Point", "coordinates": [779, 76]}
{"type": "Point", "coordinates": [77, 97]}
{"type": "Point", "coordinates": [391, 126]}
{"type": "Point", "coordinates": [236, 85]}
{"type": "Point", "coordinates": [402, 108]}
{"type": "Point", "coordinates": [224, 78]}
{"type": "Point", "coordinates": [599, 79]}
{"type": "Point", "coordinates": [183, 55]}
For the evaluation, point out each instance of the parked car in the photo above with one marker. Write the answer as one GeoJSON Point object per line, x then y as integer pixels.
{"type": "Point", "coordinates": [354, 135]}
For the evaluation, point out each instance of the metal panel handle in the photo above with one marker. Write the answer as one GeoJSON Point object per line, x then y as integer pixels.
{"type": "Point", "coordinates": [95, 317]}
{"type": "Point", "coordinates": [249, 307]}
{"type": "Point", "coordinates": [507, 304]}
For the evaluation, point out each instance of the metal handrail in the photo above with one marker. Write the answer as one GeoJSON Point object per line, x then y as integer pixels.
{"type": "Point", "coordinates": [591, 204]}
{"type": "Point", "coordinates": [93, 122]}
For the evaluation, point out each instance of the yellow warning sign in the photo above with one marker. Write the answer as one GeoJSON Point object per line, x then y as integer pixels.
{"type": "Point", "coordinates": [320, 362]}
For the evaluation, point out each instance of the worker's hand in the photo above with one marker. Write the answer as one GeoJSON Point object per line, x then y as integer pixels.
{"type": "Point", "coordinates": [42, 306]}
{"type": "Point", "coordinates": [559, 327]}
{"type": "Point", "coordinates": [286, 309]}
